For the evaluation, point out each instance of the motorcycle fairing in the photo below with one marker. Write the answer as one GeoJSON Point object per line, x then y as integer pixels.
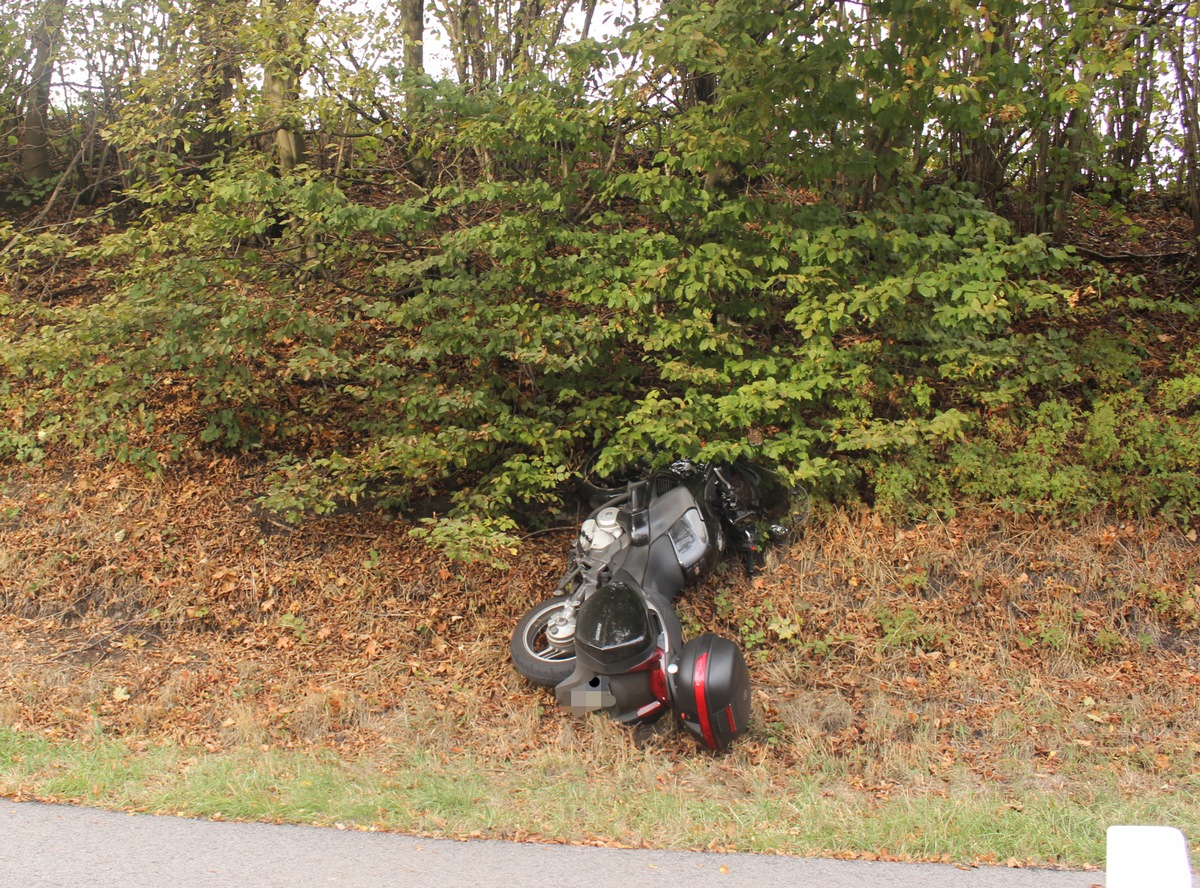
{"type": "Point", "coordinates": [619, 666]}
{"type": "Point", "coordinates": [628, 698]}
{"type": "Point", "coordinates": [673, 507]}
{"type": "Point", "coordinates": [613, 629]}
{"type": "Point", "coordinates": [681, 549]}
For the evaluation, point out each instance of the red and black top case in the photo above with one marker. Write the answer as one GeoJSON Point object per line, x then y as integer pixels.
{"type": "Point", "coordinates": [711, 690]}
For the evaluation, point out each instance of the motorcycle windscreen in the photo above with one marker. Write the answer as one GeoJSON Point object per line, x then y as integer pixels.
{"type": "Point", "coordinates": [613, 627]}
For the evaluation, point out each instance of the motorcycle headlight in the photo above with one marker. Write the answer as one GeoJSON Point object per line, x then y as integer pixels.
{"type": "Point", "coordinates": [689, 536]}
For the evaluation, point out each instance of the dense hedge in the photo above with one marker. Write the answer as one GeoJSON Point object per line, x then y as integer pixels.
{"type": "Point", "coordinates": [499, 282]}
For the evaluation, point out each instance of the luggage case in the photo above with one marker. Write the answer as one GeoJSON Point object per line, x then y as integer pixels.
{"type": "Point", "coordinates": [710, 686]}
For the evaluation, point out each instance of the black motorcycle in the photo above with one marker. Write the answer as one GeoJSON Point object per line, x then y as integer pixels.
{"type": "Point", "coordinates": [610, 640]}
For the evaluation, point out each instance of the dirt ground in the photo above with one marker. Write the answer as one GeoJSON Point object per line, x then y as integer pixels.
{"type": "Point", "coordinates": [173, 610]}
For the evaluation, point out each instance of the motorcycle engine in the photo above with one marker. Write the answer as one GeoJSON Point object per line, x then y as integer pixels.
{"type": "Point", "coordinates": [602, 531]}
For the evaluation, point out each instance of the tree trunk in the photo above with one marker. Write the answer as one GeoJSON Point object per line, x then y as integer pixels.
{"type": "Point", "coordinates": [1039, 182]}
{"type": "Point", "coordinates": [412, 17]}
{"type": "Point", "coordinates": [589, 7]}
{"type": "Point", "coordinates": [35, 154]}
{"type": "Point", "coordinates": [281, 77]}
{"type": "Point", "coordinates": [216, 20]}
{"type": "Point", "coordinates": [1191, 130]}
{"type": "Point", "coordinates": [985, 155]}
{"type": "Point", "coordinates": [1069, 172]}
{"type": "Point", "coordinates": [468, 43]}
{"type": "Point", "coordinates": [481, 51]}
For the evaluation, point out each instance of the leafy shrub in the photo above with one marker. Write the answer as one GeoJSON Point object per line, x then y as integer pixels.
{"type": "Point", "coordinates": [1106, 437]}
{"type": "Point", "coordinates": [468, 343]}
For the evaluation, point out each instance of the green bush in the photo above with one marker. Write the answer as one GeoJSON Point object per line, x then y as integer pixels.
{"type": "Point", "coordinates": [466, 344]}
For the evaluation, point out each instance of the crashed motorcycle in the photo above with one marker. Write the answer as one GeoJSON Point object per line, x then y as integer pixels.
{"type": "Point", "coordinates": [610, 641]}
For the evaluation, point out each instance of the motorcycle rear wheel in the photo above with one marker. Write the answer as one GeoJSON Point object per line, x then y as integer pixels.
{"type": "Point", "coordinates": [532, 654]}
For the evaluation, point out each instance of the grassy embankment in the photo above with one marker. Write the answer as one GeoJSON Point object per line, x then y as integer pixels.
{"type": "Point", "coordinates": [982, 690]}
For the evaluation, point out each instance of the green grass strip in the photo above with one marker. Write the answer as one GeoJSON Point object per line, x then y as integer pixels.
{"type": "Point", "coordinates": [555, 795]}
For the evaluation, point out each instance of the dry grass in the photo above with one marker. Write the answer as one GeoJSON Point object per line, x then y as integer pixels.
{"type": "Point", "coordinates": [891, 664]}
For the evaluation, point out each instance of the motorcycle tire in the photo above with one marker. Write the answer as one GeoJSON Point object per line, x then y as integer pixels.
{"type": "Point", "coordinates": [531, 652]}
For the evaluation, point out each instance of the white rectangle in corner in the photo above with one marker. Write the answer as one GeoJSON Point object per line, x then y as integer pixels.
{"type": "Point", "coordinates": [1147, 857]}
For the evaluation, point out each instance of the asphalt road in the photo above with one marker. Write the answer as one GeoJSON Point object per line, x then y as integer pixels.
{"type": "Point", "coordinates": [53, 845]}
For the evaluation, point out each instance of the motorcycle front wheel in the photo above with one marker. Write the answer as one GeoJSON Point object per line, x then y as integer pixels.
{"type": "Point", "coordinates": [532, 654]}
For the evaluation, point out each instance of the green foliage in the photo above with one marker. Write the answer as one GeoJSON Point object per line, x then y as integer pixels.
{"type": "Point", "coordinates": [467, 537]}
{"type": "Point", "coordinates": [475, 359]}
{"type": "Point", "coordinates": [520, 338]}
{"type": "Point", "coordinates": [906, 630]}
{"type": "Point", "coordinates": [1122, 441]}
{"type": "Point", "coordinates": [456, 297]}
